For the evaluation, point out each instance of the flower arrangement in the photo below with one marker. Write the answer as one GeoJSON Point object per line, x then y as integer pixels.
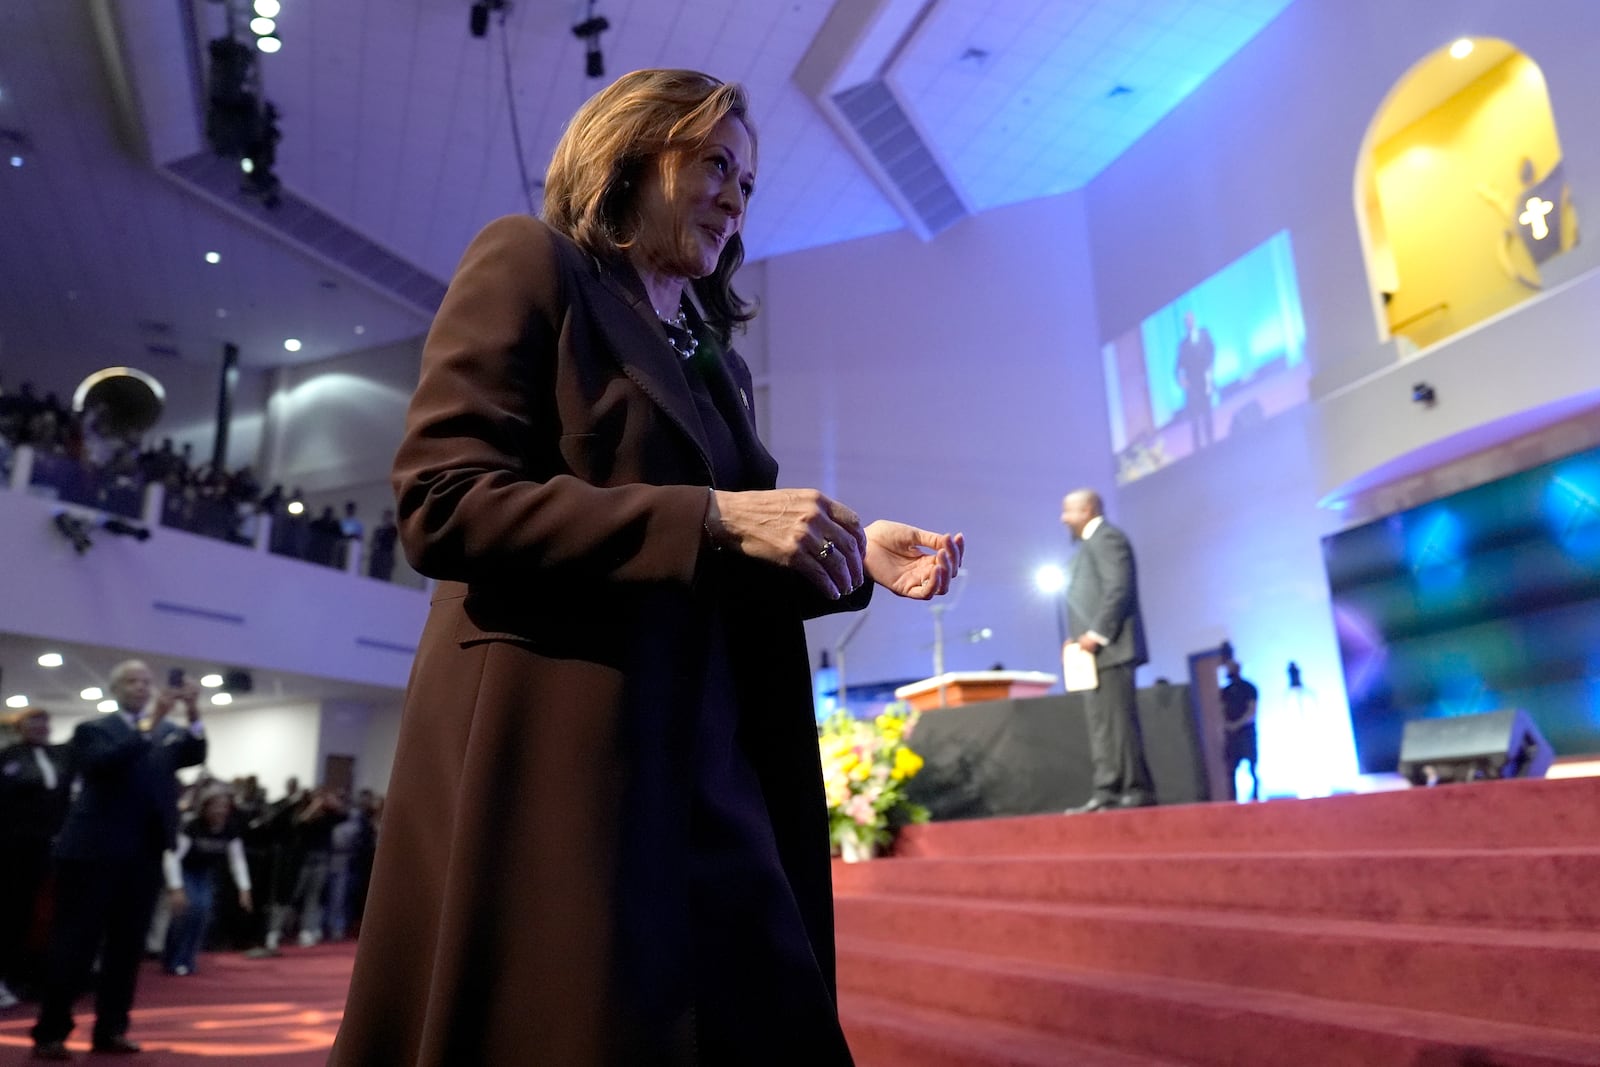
{"type": "Point", "coordinates": [865, 768]}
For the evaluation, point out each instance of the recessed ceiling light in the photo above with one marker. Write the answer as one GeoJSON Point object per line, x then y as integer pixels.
{"type": "Point", "coordinates": [51, 659]}
{"type": "Point", "coordinates": [213, 257]}
{"type": "Point", "coordinates": [1461, 49]}
{"type": "Point", "coordinates": [268, 9]}
{"type": "Point", "coordinates": [292, 345]}
{"type": "Point", "coordinates": [94, 692]}
{"type": "Point", "coordinates": [268, 45]}
{"type": "Point", "coordinates": [18, 701]}
{"type": "Point", "coordinates": [221, 699]}
{"type": "Point", "coordinates": [211, 681]}
{"type": "Point", "coordinates": [262, 26]}
{"type": "Point", "coordinates": [106, 705]}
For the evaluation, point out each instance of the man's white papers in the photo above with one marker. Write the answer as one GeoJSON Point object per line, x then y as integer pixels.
{"type": "Point", "coordinates": [1078, 671]}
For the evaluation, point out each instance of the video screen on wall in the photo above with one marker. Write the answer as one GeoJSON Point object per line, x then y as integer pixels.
{"type": "Point", "coordinates": [1225, 355]}
{"type": "Point", "coordinates": [1486, 600]}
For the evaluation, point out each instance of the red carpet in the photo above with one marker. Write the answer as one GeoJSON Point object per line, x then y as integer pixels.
{"type": "Point", "coordinates": [279, 1012]}
{"type": "Point", "coordinates": [1458, 925]}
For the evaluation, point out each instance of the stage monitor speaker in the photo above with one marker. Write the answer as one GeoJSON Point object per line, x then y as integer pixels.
{"type": "Point", "coordinates": [1464, 748]}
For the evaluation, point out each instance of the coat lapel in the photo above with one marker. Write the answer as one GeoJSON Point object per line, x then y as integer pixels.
{"type": "Point", "coordinates": [641, 347]}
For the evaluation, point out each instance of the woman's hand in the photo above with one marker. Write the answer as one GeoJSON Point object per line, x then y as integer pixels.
{"type": "Point", "coordinates": [910, 562]}
{"type": "Point", "coordinates": [795, 528]}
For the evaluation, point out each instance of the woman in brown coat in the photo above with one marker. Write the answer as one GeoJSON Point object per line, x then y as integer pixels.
{"type": "Point", "coordinates": [606, 840]}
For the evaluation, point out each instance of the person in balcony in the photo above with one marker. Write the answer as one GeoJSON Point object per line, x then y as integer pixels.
{"type": "Point", "coordinates": [605, 840]}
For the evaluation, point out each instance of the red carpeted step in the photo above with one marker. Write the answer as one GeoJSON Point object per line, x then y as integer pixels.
{"type": "Point", "coordinates": [887, 1033]}
{"type": "Point", "coordinates": [1510, 814]}
{"type": "Point", "coordinates": [1188, 1022]}
{"type": "Point", "coordinates": [1534, 977]}
{"type": "Point", "coordinates": [1512, 888]}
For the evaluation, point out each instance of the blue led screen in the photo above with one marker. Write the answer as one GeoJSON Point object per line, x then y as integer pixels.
{"type": "Point", "coordinates": [1484, 600]}
{"type": "Point", "coordinates": [1226, 354]}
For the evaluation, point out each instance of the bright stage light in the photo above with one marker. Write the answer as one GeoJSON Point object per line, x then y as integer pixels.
{"type": "Point", "coordinates": [18, 701]}
{"type": "Point", "coordinates": [92, 693]}
{"type": "Point", "coordinates": [1050, 579]}
{"type": "Point", "coordinates": [51, 659]}
{"type": "Point", "coordinates": [211, 681]}
{"type": "Point", "coordinates": [268, 9]}
{"type": "Point", "coordinates": [107, 706]}
{"type": "Point", "coordinates": [221, 699]}
{"type": "Point", "coordinates": [1461, 49]}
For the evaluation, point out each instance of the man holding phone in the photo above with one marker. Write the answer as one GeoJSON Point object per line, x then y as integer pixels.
{"type": "Point", "coordinates": [108, 857]}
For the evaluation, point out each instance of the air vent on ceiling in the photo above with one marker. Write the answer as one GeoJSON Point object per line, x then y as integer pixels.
{"type": "Point", "coordinates": [881, 123]}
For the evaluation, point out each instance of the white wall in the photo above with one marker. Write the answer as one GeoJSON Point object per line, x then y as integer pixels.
{"type": "Point", "coordinates": [1229, 537]}
{"type": "Point", "coordinates": [959, 382]}
{"type": "Point", "coordinates": [955, 385]}
{"type": "Point", "coordinates": [186, 596]}
{"type": "Point", "coordinates": [336, 423]}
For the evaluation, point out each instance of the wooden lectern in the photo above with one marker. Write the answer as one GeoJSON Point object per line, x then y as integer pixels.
{"type": "Point", "coordinates": [955, 688]}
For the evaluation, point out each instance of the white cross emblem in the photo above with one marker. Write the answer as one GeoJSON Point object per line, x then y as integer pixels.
{"type": "Point", "coordinates": [1533, 217]}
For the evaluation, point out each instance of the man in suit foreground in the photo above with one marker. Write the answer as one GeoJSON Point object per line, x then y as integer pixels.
{"type": "Point", "coordinates": [1103, 615]}
{"type": "Point", "coordinates": [108, 857]}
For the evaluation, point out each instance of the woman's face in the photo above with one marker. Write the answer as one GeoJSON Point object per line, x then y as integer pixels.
{"type": "Point", "coordinates": [682, 232]}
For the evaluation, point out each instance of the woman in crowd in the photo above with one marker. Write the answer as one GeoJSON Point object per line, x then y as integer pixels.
{"type": "Point", "coordinates": [606, 838]}
{"type": "Point", "coordinates": [210, 851]}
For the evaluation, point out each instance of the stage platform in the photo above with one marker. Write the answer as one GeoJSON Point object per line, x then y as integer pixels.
{"type": "Point", "coordinates": [1021, 757]}
{"type": "Point", "coordinates": [1456, 925]}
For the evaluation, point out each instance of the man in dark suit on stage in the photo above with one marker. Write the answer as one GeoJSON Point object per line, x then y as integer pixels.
{"type": "Point", "coordinates": [108, 857]}
{"type": "Point", "coordinates": [1103, 617]}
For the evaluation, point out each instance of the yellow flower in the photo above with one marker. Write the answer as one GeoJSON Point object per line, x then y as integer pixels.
{"type": "Point", "coordinates": [906, 763]}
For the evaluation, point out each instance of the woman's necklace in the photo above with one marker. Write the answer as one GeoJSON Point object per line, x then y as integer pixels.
{"type": "Point", "coordinates": [679, 336]}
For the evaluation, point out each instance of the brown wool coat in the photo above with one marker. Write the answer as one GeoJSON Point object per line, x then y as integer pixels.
{"type": "Point", "coordinates": [530, 902]}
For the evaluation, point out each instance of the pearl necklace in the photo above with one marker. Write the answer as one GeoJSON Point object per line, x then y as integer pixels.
{"type": "Point", "coordinates": [679, 335]}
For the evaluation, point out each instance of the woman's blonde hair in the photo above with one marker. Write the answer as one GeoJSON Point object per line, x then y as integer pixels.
{"type": "Point", "coordinates": [592, 186]}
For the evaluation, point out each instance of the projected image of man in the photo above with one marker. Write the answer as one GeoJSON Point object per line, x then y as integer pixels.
{"type": "Point", "coordinates": [1194, 369]}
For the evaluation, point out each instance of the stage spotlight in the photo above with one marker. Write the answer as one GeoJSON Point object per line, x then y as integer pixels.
{"type": "Point", "coordinates": [478, 22]}
{"type": "Point", "coordinates": [211, 681]}
{"type": "Point", "coordinates": [588, 31]}
{"type": "Point", "coordinates": [268, 9]}
{"type": "Point", "coordinates": [17, 701]}
{"type": "Point", "coordinates": [295, 507]}
{"type": "Point", "coordinates": [105, 706]}
{"type": "Point", "coordinates": [94, 692]}
{"type": "Point", "coordinates": [268, 44]}
{"type": "Point", "coordinates": [263, 27]}
{"type": "Point", "coordinates": [1050, 579]}
{"type": "Point", "coordinates": [75, 530]}
{"type": "Point", "coordinates": [221, 699]}
{"type": "Point", "coordinates": [51, 659]}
